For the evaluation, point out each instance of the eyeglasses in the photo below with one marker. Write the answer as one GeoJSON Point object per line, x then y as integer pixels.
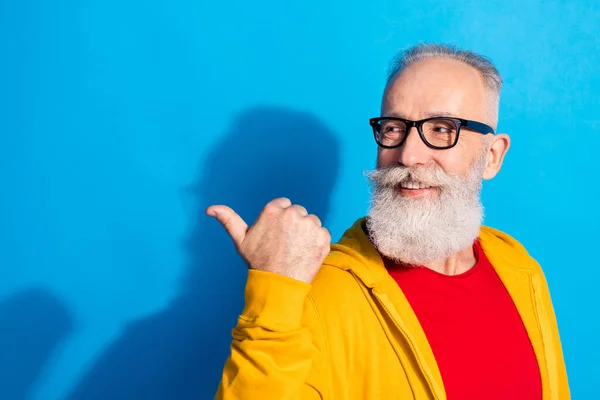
{"type": "Point", "coordinates": [437, 133]}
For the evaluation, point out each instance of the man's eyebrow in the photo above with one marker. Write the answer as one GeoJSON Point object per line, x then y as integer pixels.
{"type": "Point", "coordinates": [432, 114]}
{"type": "Point", "coordinates": [394, 115]}
{"type": "Point", "coordinates": [428, 114]}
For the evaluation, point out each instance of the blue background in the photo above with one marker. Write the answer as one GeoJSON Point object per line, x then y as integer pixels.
{"type": "Point", "coordinates": [121, 121]}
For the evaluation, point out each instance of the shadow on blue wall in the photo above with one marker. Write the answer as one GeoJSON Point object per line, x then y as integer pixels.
{"type": "Point", "coordinates": [32, 324]}
{"type": "Point", "coordinates": [179, 353]}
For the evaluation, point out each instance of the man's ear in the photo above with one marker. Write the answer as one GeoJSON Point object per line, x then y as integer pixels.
{"type": "Point", "coordinates": [495, 156]}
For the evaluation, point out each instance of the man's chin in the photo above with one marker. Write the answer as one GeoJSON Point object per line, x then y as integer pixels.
{"type": "Point", "coordinates": [420, 241]}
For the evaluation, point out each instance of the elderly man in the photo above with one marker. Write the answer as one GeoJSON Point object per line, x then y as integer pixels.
{"type": "Point", "coordinates": [417, 300]}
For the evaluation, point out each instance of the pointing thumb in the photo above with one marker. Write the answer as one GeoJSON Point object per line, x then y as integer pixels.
{"type": "Point", "coordinates": [231, 221]}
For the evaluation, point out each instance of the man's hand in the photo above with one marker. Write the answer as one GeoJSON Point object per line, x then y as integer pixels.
{"type": "Point", "coordinates": [285, 239]}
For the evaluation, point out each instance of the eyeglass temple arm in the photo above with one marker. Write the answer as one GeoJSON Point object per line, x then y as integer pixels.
{"type": "Point", "coordinates": [478, 126]}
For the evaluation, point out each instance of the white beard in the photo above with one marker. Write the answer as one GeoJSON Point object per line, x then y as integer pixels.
{"type": "Point", "coordinates": [420, 231]}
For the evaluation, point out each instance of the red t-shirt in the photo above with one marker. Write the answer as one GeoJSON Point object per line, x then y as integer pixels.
{"type": "Point", "coordinates": [474, 330]}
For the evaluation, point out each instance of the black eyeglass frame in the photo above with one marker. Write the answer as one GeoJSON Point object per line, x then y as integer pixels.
{"type": "Point", "coordinates": [478, 127]}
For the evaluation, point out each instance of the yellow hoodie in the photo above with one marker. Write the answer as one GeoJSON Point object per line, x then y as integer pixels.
{"type": "Point", "coordinates": [352, 334]}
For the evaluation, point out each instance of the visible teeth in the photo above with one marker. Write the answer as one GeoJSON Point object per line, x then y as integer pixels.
{"type": "Point", "coordinates": [413, 185]}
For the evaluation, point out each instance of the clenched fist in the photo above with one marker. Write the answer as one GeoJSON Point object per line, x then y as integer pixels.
{"type": "Point", "coordinates": [285, 239]}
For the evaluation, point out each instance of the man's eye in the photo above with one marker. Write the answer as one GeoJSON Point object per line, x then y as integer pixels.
{"type": "Point", "coordinates": [391, 128]}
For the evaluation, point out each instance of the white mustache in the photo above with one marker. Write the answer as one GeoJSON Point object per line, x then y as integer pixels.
{"type": "Point", "coordinates": [430, 175]}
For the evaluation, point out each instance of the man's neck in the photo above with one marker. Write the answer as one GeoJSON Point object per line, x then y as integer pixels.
{"type": "Point", "coordinates": [456, 264]}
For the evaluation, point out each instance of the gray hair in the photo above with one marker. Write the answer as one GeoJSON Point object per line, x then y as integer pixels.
{"type": "Point", "coordinates": [492, 80]}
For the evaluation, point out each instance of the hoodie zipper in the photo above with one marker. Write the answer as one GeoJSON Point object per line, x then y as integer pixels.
{"type": "Point", "coordinates": [437, 393]}
{"type": "Point", "coordinates": [547, 337]}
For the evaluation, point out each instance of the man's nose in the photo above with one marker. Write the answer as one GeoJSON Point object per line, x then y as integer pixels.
{"type": "Point", "coordinates": [414, 151]}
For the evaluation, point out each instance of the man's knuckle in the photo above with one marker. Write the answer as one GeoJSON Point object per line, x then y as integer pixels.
{"type": "Point", "coordinates": [298, 208]}
{"type": "Point", "coordinates": [271, 208]}
{"type": "Point", "coordinates": [292, 212]}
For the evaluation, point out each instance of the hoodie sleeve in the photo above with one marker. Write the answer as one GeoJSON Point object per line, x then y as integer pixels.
{"type": "Point", "coordinates": [277, 350]}
{"type": "Point", "coordinates": [558, 367]}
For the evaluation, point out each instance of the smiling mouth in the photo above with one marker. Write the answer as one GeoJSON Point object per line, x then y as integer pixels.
{"type": "Point", "coordinates": [414, 189]}
{"type": "Point", "coordinates": [414, 185]}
